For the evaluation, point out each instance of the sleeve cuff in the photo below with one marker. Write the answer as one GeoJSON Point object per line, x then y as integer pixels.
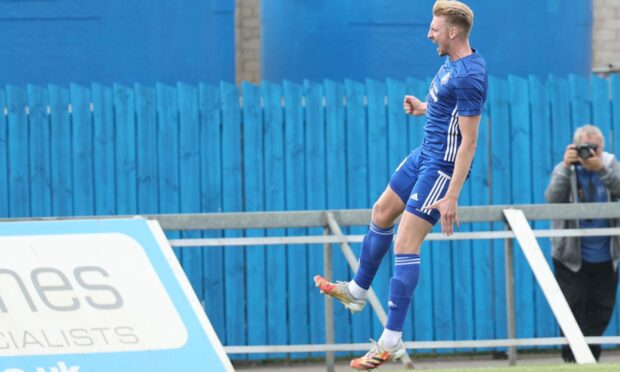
{"type": "Point", "coordinates": [470, 113]}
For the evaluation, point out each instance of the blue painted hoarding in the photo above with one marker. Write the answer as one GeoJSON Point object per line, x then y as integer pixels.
{"type": "Point", "coordinates": [145, 41]}
{"type": "Point", "coordinates": [350, 39]}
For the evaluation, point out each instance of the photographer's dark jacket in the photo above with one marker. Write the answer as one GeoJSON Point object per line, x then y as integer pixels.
{"type": "Point", "coordinates": [562, 188]}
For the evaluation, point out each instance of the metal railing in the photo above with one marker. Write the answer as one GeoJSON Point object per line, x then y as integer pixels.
{"type": "Point", "coordinates": [332, 221]}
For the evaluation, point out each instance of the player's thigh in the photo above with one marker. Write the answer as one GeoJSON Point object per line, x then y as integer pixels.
{"type": "Point", "coordinates": [411, 233]}
{"type": "Point", "coordinates": [405, 175]}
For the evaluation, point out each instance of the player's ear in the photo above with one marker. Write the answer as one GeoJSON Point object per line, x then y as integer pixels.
{"type": "Point", "coordinates": [454, 31]}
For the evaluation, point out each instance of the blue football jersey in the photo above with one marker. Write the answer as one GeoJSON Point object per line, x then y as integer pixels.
{"type": "Point", "coordinates": [458, 89]}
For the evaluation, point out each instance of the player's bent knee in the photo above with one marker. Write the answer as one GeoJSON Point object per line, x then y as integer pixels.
{"type": "Point", "coordinates": [407, 246]}
{"type": "Point", "coordinates": [382, 216]}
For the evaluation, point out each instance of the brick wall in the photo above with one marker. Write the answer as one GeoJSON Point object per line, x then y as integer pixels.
{"type": "Point", "coordinates": [247, 40]}
{"type": "Point", "coordinates": [606, 34]}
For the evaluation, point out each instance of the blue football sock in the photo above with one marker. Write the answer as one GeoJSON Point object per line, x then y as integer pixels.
{"type": "Point", "coordinates": [404, 281]}
{"type": "Point", "coordinates": [374, 247]}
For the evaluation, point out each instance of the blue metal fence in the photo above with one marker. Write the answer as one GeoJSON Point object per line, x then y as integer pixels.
{"type": "Point", "coordinates": [172, 149]}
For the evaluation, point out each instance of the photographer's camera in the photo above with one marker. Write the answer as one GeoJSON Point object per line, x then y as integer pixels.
{"type": "Point", "coordinates": [583, 150]}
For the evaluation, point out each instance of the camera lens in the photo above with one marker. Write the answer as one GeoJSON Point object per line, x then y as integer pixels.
{"type": "Point", "coordinates": [584, 152]}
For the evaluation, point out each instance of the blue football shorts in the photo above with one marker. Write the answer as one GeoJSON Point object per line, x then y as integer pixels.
{"type": "Point", "coordinates": [420, 181]}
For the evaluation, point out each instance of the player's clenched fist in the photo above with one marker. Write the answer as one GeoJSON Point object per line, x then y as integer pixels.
{"type": "Point", "coordinates": [413, 106]}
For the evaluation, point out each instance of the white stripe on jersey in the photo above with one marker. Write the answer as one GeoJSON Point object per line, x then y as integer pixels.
{"type": "Point", "coordinates": [448, 135]}
{"type": "Point", "coordinates": [455, 137]}
{"type": "Point", "coordinates": [452, 137]}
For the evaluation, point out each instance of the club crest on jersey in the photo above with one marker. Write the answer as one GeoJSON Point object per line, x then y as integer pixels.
{"type": "Point", "coordinates": [445, 78]}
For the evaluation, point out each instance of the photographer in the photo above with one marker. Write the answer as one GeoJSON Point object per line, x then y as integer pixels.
{"type": "Point", "coordinates": [585, 267]}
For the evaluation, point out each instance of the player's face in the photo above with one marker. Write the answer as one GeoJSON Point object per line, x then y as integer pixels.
{"type": "Point", "coordinates": [438, 33]}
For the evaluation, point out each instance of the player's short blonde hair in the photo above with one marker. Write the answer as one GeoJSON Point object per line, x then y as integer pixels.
{"type": "Point", "coordinates": [456, 13]}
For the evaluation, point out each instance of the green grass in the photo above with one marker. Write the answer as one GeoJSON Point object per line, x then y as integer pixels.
{"type": "Point", "coordinates": [547, 368]}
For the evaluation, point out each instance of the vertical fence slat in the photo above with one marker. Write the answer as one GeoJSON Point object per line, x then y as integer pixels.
{"type": "Point", "coordinates": [254, 191]}
{"type": "Point", "coordinates": [275, 201]}
{"type": "Point", "coordinates": [60, 148]}
{"type": "Point", "coordinates": [601, 110]}
{"type": "Point", "coordinates": [541, 171]}
{"type": "Point", "coordinates": [357, 182]}
{"type": "Point", "coordinates": [40, 172]}
{"type": "Point", "coordinates": [211, 201]}
{"type": "Point", "coordinates": [463, 280]}
{"type": "Point", "coordinates": [4, 159]}
{"type": "Point", "coordinates": [168, 154]}
{"type": "Point", "coordinates": [337, 190]}
{"type": "Point", "coordinates": [521, 166]}
{"type": "Point", "coordinates": [422, 308]}
{"type": "Point", "coordinates": [104, 136]}
{"type": "Point", "coordinates": [146, 139]}
{"type": "Point", "coordinates": [189, 172]}
{"type": "Point", "coordinates": [442, 279]}
{"type": "Point", "coordinates": [19, 170]}
{"type": "Point", "coordinates": [581, 107]}
{"type": "Point", "coordinates": [482, 250]}
{"type": "Point", "coordinates": [82, 125]}
{"type": "Point", "coordinates": [316, 198]}
{"type": "Point", "coordinates": [561, 131]}
{"type": "Point", "coordinates": [500, 189]}
{"type": "Point", "coordinates": [379, 175]}
{"type": "Point", "coordinates": [398, 147]}
{"type": "Point", "coordinates": [234, 259]}
{"type": "Point", "coordinates": [126, 153]}
{"type": "Point", "coordinates": [295, 179]}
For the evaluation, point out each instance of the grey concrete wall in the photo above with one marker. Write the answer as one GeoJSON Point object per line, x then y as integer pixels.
{"type": "Point", "coordinates": [247, 40]}
{"type": "Point", "coordinates": [606, 34]}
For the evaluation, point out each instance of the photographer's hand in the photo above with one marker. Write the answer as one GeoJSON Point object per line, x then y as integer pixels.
{"type": "Point", "coordinates": [570, 156]}
{"type": "Point", "coordinates": [594, 163]}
